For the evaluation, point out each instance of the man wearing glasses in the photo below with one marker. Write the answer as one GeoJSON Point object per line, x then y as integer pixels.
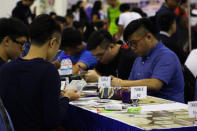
{"type": "Point", "coordinates": [156, 66]}
{"type": "Point", "coordinates": [114, 59]}
{"type": "Point", "coordinates": [13, 37]}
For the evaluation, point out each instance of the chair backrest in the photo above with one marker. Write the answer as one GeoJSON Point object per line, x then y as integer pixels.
{"type": "Point", "coordinates": [195, 95]}
{"type": "Point", "coordinates": [5, 121]}
{"type": "Point", "coordinates": [189, 90]}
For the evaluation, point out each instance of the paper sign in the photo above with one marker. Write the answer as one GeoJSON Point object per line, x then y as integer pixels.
{"type": "Point", "coordinates": [192, 107]}
{"type": "Point", "coordinates": [139, 92]}
{"type": "Point", "coordinates": [104, 82]}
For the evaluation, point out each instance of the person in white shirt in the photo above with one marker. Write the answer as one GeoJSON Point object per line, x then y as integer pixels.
{"type": "Point", "coordinates": [125, 18]}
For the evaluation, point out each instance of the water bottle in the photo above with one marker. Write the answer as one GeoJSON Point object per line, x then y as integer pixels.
{"type": "Point", "coordinates": [66, 69]}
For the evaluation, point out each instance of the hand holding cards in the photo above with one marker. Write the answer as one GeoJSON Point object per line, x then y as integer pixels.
{"type": "Point", "coordinates": [72, 94]}
{"type": "Point", "coordinates": [77, 84]}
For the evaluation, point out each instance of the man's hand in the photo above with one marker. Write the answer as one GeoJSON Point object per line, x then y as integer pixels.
{"type": "Point", "coordinates": [71, 94]}
{"type": "Point", "coordinates": [92, 76]}
{"type": "Point", "coordinates": [116, 81]}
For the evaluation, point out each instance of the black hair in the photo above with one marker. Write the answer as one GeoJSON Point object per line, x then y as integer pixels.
{"type": "Point", "coordinates": [124, 7]}
{"type": "Point", "coordinates": [78, 3]}
{"type": "Point", "coordinates": [60, 19]}
{"type": "Point", "coordinates": [52, 13]}
{"type": "Point", "coordinates": [74, 8]}
{"type": "Point", "coordinates": [77, 25]}
{"type": "Point", "coordinates": [138, 10]}
{"type": "Point", "coordinates": [183, 1]}
{"type": "Point", "coordinates": [97, 38]}
{"type": "Point", "coordinates": [43, 28]}
{"type": "Point", "coordinates": [97, 6]}
{"type": "Point", "coordinates": [71, 38]}
{"type": "Point", "coordinates": [165, 21]}
{"type": "Point", "coordinates": [136, 24]}
{"type": "Point", "coordinates": [13, 28]}
{"type": "Point", "coordinates": [69, 13]}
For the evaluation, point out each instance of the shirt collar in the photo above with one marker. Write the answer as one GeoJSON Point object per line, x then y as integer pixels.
{"type": "Point", "coordinates": [164, 33]}
{"type": "Point", "coordinates": [148, 55]}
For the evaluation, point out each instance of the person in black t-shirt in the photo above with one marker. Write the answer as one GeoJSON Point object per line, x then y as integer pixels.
{"type": "Point", "coordinates": [2, 61]}
{"type": "Point", "coordinates": [114, 59]}
{"type": "Point", "coordinates": [30, 86]}
{"type": "Point", "coordinates": [13, 37]}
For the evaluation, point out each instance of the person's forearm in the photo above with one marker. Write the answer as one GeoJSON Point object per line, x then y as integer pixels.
{"type": "Point", "coordinates": [76, 67]}
{"type": "Point", "coordinates": [119, 33]}
{"type": "Point", "coordinates": [152, 84]}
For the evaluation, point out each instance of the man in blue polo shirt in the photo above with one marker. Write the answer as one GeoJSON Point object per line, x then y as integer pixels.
{"type": "Point", "coordinates": [156, 66]}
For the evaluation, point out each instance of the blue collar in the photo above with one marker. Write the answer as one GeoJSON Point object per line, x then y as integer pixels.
{"type": "Point", "coordinates": [157, 46]}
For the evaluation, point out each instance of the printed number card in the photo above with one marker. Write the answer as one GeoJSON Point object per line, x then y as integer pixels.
{"type": "Point", "coordinates": [104, 82]}
{"type": "Point", "coordinates": [138, 92]}
{"type": "Point", "coordinates": [192, 107]}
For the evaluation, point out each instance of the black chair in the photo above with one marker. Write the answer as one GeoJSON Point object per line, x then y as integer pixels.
{"type": "Point", "coordinates": [189, 90]}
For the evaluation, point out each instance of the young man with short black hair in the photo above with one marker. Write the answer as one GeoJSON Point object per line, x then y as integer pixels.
{"type": "Point", "coordinates": [13, 37]}
{"type": "Point", "coordinates": [30, 86]}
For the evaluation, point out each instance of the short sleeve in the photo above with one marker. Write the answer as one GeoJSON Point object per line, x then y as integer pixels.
{"type": "Point", "coordinates": [88, 59]}
{"type": "Point", "coordinates": [121, 20]}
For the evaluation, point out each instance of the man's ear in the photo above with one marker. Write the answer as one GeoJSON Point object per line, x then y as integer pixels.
{"type": "Point", "coordinates": [149, 37]}
{"type": "Point", "coordinates": [52, 42]}
{"type": "Point", "coordinates": [6, 40]}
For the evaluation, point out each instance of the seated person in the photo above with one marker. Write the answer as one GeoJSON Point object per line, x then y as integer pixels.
{"type": "Point", "coordinates": [190, 74]}
{"type": "Point", "coordinates": [114, 59]}
{"type": "Point", "coordinates": [156, 66]}
{"type": "Point", "coordinates": [30, 86]}
{"type": "Point", "coordinates": [73, 46]}
{"type": "Point", "coordinates": [13, 37]}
